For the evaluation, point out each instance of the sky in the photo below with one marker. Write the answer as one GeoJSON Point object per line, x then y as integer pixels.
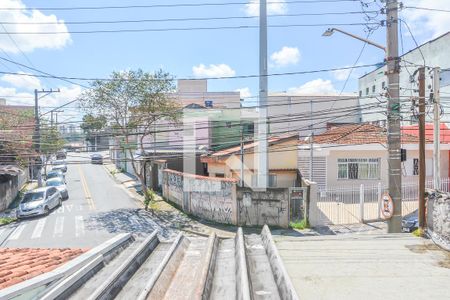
{"type": "Point", "coordinates": [194, 53]}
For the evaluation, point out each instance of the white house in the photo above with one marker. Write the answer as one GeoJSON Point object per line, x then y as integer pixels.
{"type": "Point", "coordinates": [351, 155]}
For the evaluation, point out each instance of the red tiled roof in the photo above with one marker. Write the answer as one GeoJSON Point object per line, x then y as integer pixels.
{"type": "Point", "coordinates": [20, 264]}
{"type": "Point", "coordinates": [429, 128]}
{"type": "Point", "coordinates": [272, 140]}
{"type": "Point", "coordinates": [358, 134]}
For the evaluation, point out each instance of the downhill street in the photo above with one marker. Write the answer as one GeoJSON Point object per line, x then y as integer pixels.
{"type": "Point", "coordinates": [96, 210]}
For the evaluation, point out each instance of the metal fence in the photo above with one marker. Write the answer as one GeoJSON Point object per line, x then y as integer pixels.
{"type": "Point", "coordinates": [355, 204]}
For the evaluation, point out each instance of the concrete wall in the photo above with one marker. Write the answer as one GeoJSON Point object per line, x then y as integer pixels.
{"type": "Point", "coordinates": [220, 200]}
{"type": "Point", "coordinates": [270, 207]}
{"type": "Point", "coordinates": [438, 220]}
{"type": "Point", "coordinates": [10, 189]}
{"type": "Point", "coordinates": [212, 199]}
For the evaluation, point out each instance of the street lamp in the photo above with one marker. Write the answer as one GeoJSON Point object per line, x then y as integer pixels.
{"type": "Point", "coordinates": [330, 31]}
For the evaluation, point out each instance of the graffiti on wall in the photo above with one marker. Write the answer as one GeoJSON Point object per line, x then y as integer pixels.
{"type": "Point", "coordinates": [268, 208]}
{"type": "Point", "coordinates": [207, 199]}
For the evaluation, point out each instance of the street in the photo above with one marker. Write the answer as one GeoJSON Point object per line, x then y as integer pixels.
{"type": "Point", "coordinates": [96, 210]}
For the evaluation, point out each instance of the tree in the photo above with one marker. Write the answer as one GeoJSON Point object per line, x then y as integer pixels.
{"type": "Point", "coordinates": [16, 130]}
{"type": "Point", "coordinates": [132, 102]}
{"type": "Point", "coordinates": [92, 125]}
{"type": "Point", "coordinates": [51, 142]}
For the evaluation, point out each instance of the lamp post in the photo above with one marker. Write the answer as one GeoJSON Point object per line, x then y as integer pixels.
{"type": "Point", "coordinates": [393, 111]}
{"type": "Point", "coordinates": [330, 31]}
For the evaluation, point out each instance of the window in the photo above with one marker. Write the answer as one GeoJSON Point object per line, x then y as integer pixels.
{"type": "Point", "coordinates": [367, 91]}
{"type": "Point", "coordinates": [358, 168]}
{"type": "Point", "coordinates": [373, 89]}
{"type": "Point", "coordinates": [220, 175]}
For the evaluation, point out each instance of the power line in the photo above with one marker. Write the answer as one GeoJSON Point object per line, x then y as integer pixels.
{"type": "Point", "coordinates": [185, 28]}
{"type": "Point", "coordinates": [177, 5]}
{"type": "Point", "coordinates": [427, 8]}
{"type": "Point", "coordinates": [185, 19]}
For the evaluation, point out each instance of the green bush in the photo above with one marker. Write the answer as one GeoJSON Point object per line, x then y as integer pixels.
{"type": "Point", "coordinates": [149, 198]}
{"type": "Point", "coordinates": [7, 220]}
{"type": "Point", "coordinates": [303, 224]}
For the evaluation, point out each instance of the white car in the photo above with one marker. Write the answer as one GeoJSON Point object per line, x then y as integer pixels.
{"type": "Point", "coordinates": [39, 202]}
{"type": "Point", "coordinates": [59, 165]}
{"type": "Point", "coordinates": [60, 185]}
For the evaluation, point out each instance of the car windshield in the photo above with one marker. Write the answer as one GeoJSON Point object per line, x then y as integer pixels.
{"type": "Point", "coordinates": [54, 183]}
{"type": "Point", "coordinates": [30, 197]}
{"type": "Point", "coordinates": [58, 162]}
{"type": "Point", "coordinates": [53, 175]}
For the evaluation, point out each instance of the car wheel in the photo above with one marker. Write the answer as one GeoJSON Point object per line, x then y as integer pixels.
{"type": "Point", "coordinates": [46, 211]}
{"type": "Point", "coordinates": [60, 202]}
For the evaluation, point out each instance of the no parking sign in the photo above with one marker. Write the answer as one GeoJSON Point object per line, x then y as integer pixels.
{"type": "Point", "coordinates": [387, 206]}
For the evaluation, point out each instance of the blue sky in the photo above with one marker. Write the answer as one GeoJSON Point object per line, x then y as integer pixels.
{"type": "Point", "coordinates": [187, 54]}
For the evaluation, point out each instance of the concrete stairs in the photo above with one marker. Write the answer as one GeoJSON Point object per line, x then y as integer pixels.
{"type": "Point", "coordinates": [246, 267]}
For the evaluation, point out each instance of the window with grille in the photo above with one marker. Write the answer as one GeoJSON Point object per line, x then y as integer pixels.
{"type": "Point", "coordinates": [359, 168]}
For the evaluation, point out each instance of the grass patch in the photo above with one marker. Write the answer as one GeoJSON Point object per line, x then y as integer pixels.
{"type": "Point", "coordinates": [303, 224]}
{"type": "Point", "coordinates": [7, 220]}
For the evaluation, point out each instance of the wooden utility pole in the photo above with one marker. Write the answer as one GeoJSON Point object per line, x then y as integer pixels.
{"type": "Point", "coordinates": [422, 167]}
{"type": "Point", "coordinates": [393, 116]}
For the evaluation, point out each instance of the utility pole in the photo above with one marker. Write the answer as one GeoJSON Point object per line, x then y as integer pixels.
{"type": "Point", "coordinates": [263, 159]}
{"type": "Point", "coordinates": [422, 170]}
{"type": "Point", "coordinates": [311, 142]}
{"type": "Point", "coordinates": [242, 156]}
{"type": "Point", "coordinates": [437, 128]}
{"type": "Point", "coordinates": [393, 115]}
{"type": "Point", "coordinates": [37, 129]}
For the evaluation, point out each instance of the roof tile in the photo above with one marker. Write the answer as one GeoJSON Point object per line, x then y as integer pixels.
{"type": "Point", "coordinates": [20, 264]}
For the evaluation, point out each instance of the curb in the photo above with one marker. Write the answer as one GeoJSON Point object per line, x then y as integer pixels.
{"type": "Point", "coordinates": [204, 285]}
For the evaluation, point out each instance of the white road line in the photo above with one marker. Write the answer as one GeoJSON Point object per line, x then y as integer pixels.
{"type": "Point", "coordinates": [17, 232]}
{"type": "Point", "coordinates": [79, 226]}
{"type": "Point", "coordinates": [1, 231]}
{"type": "Point", "coordinates": [59, 226]}
{"type": "Point", "coordinates": [37, 232]}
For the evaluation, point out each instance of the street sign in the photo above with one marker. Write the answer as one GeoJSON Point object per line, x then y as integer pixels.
{"type": "Point", "coordinates": [387, 206]}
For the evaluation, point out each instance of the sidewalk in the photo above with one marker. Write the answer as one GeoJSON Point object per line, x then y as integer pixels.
{"type": "Point", "coordinates": [168, 215]}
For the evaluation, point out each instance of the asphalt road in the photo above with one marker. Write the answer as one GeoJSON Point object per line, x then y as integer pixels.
{"type": "Point", "coordinates": [97, 209]}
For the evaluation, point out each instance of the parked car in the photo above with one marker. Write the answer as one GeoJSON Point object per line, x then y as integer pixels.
{"type": "Point", "coordinates": [39, 202]}
{"type": "Point", "coordinates": [410, 222]}
{"type": "Point", "coordinates": [56, 174]}
{"type": "Point", "coordinates": [59, 165]}
{"type": "Point", "coordinates": [61, 155]}
{"type": "Point", "coordinates": [60, 185]}
{"type": "Point", "coordinates": [96, 159]}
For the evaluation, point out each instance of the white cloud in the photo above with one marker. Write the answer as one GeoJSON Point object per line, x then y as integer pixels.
{"type": "Point", "coordinates": [221, 70]}
{"type": "Point", "coordinates": [342, 75]}
{"type": "Point", "coordinates": [286, 56]}
{"type": "Point", "coordinates": [428, 24]}
{"type": "Point", "coordinates": [245, 92]}
{"type": "Point", "coordinates": [274, 7]}
{"type": "Point", "coordinates": [315, 87]}
{"type": "Point", "coordinates": [29, 42]}
{"type": "Point", "coordinates": [20, 81]}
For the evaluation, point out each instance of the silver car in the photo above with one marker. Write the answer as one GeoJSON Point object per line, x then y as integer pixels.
{"type": "Point", "coordinates": [59, 165]}
{"type": "Point", "coordinates": [39, 202]}
{"type": "Point", "coordinates": [60, 185]}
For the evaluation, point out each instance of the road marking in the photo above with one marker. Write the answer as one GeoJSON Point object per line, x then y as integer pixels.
{"type": "Point", "coordinates": [1, 231]}
{"type": "Point", "coordinates": [79, 226]}
{"type": "Point", "coordinates": [87, 193]}
{"type": "Point", "coordinates": [59, 225]}
{"type": "Point", "coordinates": [37, 232]}
{"type": "Point", "coordinates": [17, 232]}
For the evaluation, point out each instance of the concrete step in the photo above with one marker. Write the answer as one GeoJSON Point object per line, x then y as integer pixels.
{"type": "Point", "coordinates": [224, 277]}
{"type": "Point", "coordinates": [186, 277]}
{"type": "Point", "coordinates": [262, 281]}
{"type": "Point", "coordinates": [135, 284]}
{"type": "Point", "coordinates": [88, 288]}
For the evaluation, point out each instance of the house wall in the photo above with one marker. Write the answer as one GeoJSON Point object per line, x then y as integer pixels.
{"type": "Point", "coordinates": [438, 221]}
{"type": "Point", "coordinates": [279, 159]}
{"type": "Point", "coordinates": [290, 113]}
{"type": "Point", "coordinates": [10, 189]}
